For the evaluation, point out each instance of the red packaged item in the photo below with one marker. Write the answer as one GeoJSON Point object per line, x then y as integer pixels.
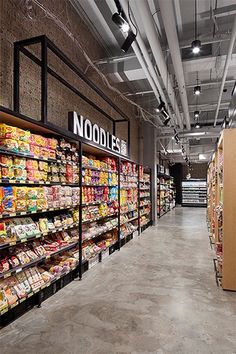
{"type": "Point", "coordinates": [32, 164]}
{"type": "Point", "coordinates": [52, 143]}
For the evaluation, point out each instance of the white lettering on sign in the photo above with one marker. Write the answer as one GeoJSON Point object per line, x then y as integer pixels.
{"type": "Point", "coordinates": [92, 132]}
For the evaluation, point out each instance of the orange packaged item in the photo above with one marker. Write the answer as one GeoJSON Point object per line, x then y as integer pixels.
{"type": "Point", "coordinates": [52, 143]}
{"type": "Point", "coordinates": [34, 175]}
{"type": "Point", "coordinates": [7, 132]}
{"type": "Point", "coordinates": [6, 161]}
{"type": "Point", "coordinates": [9, 144]}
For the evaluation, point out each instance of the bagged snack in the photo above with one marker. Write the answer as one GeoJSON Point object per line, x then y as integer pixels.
{"type": "Point", "coordinates": [23, 147]}
{"type": "Point", "coordinates": [7, 172]}
{"type": "Point", "coordinates": [9, 144]}
{"type": "Point", "coordinates": [32, 205]}
{"type": "Point", "coordinates": [35, 150]}
{"type": "Point", "coordinates": [7, 132]}
{"type": "Point", "coordinates": [6, 161]}
{"type": "Point", "coordinates": [32, 164]}
{"type": "Point", "coordinates": [20, 205]}
{"type": "Point", "coordinates": [19, 162]}
{"type": "Point", "coordinates": [42, 204]}
{"type": "Point", "coordinates": [32, 193]}
{"type": "Point", "coordinates": [52, 143]}
{"type": "Point", "coordinates": [20, 192]}
{"type": "Point", "coordinates": [42, 166]}
{"type": "Point", "coordinates": [20, 174]}
{"type": "Point", "coordinates": [23, 135]}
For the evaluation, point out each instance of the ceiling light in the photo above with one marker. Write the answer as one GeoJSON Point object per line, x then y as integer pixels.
{"type": "Point", "coordinates": [166, 117]}
{"type": "Point", "coordinates": [120, 22]}
{"type": "Point", "coordinates": [161, 106]}
{"type": "Point", "coordinates": [128, 42]}
{"type": "Point", "coordinates": [197, 126]}
{"type": "Point", "coordinates": [196, 46]}
{"type": "Point", "coordinates": [202, 157]}
{"type": "Point", "coordinates": [196, 114]}
{"type": "Point", "coordinates": [197, 90]}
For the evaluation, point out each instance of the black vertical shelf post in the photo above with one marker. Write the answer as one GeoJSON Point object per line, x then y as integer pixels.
{"type": "Point", "coordinates": [139, 227]}
{"type": "Point", "coordinates": [16, 78]}
{"type": "Point", "coordinates": [44, 81]}
{"type": "Point", "coordinates": [119, 167]}
{"type": "Point", "coordinates": [80, 209]}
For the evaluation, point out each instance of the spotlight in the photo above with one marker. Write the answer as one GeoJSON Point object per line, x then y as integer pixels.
{"type": "Point", "coordinates": [197, 90]}
{"type": "Point", "coordinates": [128, 42]}
{"type": "Point", "coordinates": [197, 126]}
{"type": "Point", "coordinates": [196, 46]}
{"type": "Point", "coordinates": [186, 159]}
{"type": "Point", "coordinates": [161, 106]}
{"type": "Point", "coordinates": [120, 22]}
{"type": "Point", "coordinates": [196, 114]}
{"type": "Point", "coordinates": [166, 117]}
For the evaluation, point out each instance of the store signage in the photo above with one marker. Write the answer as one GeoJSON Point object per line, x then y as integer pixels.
{"type": "Point", "coordinates": [85, 129]}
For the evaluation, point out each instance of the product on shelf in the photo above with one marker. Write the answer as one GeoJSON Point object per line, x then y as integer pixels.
{"type": "Point", "coordinates": [106, 163]}
{"type": "Point", "coordinates": [31, 199]}
{"type": "Point", "coordinates": [194, 192]}
{"type": "Point", "coordinates": [99, 194]}
{"type": "Point", "coordinates": [94, 229]}
{"type": "Point", "coordinates": [99, 211]}
{"type": "Point", "coordinates": [91, 248]}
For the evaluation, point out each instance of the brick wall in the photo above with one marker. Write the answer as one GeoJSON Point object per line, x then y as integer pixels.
{"type": "Point", "coordinates": [15, 26]}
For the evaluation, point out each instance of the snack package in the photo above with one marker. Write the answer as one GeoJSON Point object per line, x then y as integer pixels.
{"type": "Point", "coordinates": [32, 193]}
{"type": "Point", "coordinates": [20, 205]}
{"type": "Point", "coordinates": [32, 205]}
{"type": "Point", "coordinates": [7, 172]}
{"type": "Point", "coordinates": [52, 143]}
{"type": "Point", "coordinates": [32, 164]}
{"type": "Point", "coordinates": [7, 132]}
{"type": "Point", "coordinates": [9, 144]}
{"type": "Point", "coordinates": [23, 135]}
{"type": "Point", "coordinates": [23, 147]}
{"type": "Point", "coordinates": [35, 150]}
{"type": "Point", "coordinates": [6, 161]}
{"type": "Point", "coordinates": [20, 192]}
{"type": "Point", "coordinates": [19, 162]}
{"type": "Point", "coordinates": [42, 204]}
{"type": "Point", "coordinates": [20, 174]}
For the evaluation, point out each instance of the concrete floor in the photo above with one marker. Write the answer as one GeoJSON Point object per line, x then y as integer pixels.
{"type": "Point", "coordinates": [157, 295]}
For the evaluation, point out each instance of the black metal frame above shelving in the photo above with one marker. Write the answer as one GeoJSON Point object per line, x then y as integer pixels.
{"type": "Point", "coordinates": [46, 44]}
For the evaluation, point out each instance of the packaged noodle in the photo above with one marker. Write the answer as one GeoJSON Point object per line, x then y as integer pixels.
{"type": "Point", "coordinates": [21, 205]}
{"type": "Point", "coordinates": [38, 140]}
{"type": "Point", "coordinates": [42, 204]}
{"type": "Point", "coordinates": [7, 172]}
{"type": "Point", "coordinates": [23, 135]}
{"type": "Point", "coordinates": [9, 144]}
{"type": "Point", "coordinates": [6, 161]}
{"type": "Point", "coordinates": [7, 132]}
{"type": "Point", "coordinates": [43, 166]}
{"type": "Point", "coordinates": [52, 143]}
{"type": "Point", "coordinates": [20, 174]}
{"type": "Point", "coordinates": [32, 193]}
{"type": "Point", "coordinates": [20, 162]}
{"type": "Point", "coordinates": [23, 147]}
{"type": "Point", "coordinates": [20, 192]}
{"type": "Point", "coordinates": [32, 205]}
{"type": "Point", "coordinates": [35, 150]}
{"type": "Point", "coordinates": [32, 164]}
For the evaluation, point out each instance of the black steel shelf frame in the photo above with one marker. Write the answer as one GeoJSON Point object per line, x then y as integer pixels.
{"type": "Point", "coordinates": [46, 44]}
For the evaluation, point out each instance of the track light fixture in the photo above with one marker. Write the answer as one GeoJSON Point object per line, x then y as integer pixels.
{"type": "Point", "coordinates": [197, 125]}
{"type": "Point", "coordinates": [165, 116]}
{"type": "Point", "coordinates": [161, 106]}
{"type": "Point", "coordinates": [128, 42]}
{"type": "Point", "coordinates": [196, 44]}
{"type": "Point", "coordinates": [197, 90]}
{"type": "Point", "coordinates": [120, 22]}
{"type": "Point", "coordinates": [196, 114]}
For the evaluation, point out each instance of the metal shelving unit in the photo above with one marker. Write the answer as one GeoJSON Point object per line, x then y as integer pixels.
{"type": "Point", "coordinates": [194, 192]}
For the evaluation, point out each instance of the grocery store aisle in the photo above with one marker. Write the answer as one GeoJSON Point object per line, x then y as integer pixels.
{"type": "Point", "coordinates": [157, 295]}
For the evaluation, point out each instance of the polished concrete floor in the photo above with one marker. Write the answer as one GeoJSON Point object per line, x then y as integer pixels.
{"type": "Point", "coordinates": [157, 295]}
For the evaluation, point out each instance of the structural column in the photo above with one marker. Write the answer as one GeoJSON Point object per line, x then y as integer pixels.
{"type": "Point", "coordinates": [150, 159]}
